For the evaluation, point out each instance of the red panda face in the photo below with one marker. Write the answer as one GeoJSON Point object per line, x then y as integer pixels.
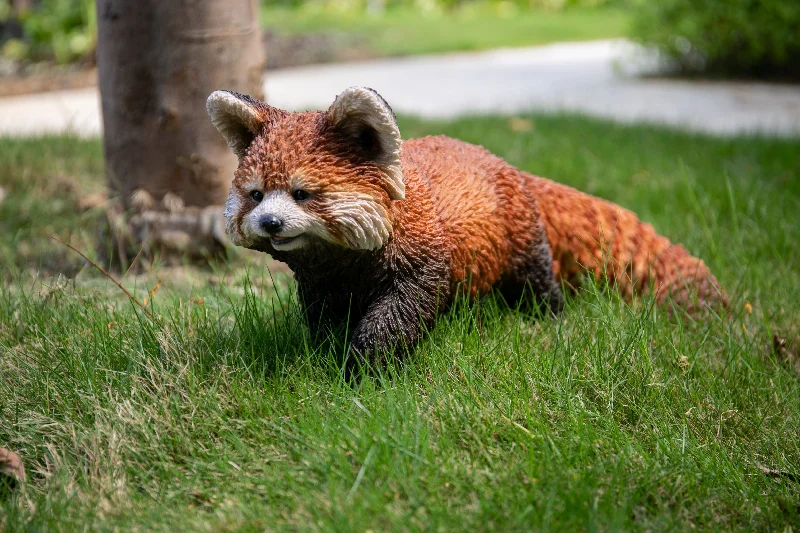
{"type": "Point", "coordinates": [311, 177]}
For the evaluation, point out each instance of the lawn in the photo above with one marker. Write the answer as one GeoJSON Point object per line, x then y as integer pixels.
{"type": "Point", "coordinates": [217, 413]}
{"type": "Point", "coordinates": [398, 32]}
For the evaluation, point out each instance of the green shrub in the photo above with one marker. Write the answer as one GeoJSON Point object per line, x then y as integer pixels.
{"type": "Point", "coordinates": [738, 38]}
{"type": "Point", "coordinates": [55, 30]}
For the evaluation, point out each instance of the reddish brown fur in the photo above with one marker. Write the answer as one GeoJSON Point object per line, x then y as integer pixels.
{"type": "Point", "coordinates": [590, 233]}
{"type": "Point", "coordinates": [488, 209]}
{"type": "Point", "coordinates": [482, 206]}
{"type": "Point", "coordinates": [484, 211]}
{"type": "Point", "coordinates": [468, 219]}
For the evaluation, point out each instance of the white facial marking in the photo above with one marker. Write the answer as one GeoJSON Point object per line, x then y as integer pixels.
{"type": "Point", "coordinates": [290, 244]}
{"type": "Point", "coordinates": [297, 223]}
{"type": "Point", "coordinates": [300, 180]}
{"type": "Point", "coordinates": [234, 204]}
{"type": "Point", "coordinates": [232, 207]}
{"type": "Point", "coordinates": [364, 222]}
{"type": "Point", "coordinates": [253, 184]}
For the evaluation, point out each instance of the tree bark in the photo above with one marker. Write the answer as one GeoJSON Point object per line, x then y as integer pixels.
{"type": "Point", "coordinates": [158, 60]}
{"type": "Point", "coordinates": [20, 6]}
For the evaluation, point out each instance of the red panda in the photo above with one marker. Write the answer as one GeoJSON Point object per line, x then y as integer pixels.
{"type": "Point", "coordinates": [384, 232]}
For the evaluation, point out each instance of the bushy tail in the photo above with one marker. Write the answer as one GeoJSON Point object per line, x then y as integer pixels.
{"type": "Point", "coordinates": [589, 233]}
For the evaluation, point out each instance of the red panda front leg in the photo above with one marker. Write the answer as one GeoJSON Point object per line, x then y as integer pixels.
{"type": "Point", "coordinates": [394, 321]}
{"type": "Point", "coordinates": [323, 311]}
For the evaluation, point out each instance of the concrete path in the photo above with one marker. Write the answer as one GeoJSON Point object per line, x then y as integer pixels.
{"type": "Point", "coordinates": [597, 78]}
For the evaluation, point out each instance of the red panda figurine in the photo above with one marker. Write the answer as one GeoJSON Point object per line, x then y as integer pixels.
{"type": "Point", "coordinates": [382, 232]}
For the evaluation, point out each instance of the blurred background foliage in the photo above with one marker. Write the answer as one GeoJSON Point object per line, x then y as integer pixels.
{"type": "Point", "coordinates": [62, 31]}
{"type": "Point", "coordinates": [377, 6]}
{"type": "Point", "coordinates": [736, 38]}
{"type": "Point", "coordinates": [732, 38]}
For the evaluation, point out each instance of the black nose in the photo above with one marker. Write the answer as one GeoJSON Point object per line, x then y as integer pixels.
{"type": "Point", "coordinates": [270, 223]}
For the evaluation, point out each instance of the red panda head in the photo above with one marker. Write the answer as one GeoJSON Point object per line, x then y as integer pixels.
{"type": "Point", "coordinates": [307, 177]}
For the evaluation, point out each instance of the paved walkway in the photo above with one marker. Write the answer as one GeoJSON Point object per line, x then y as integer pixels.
{"type": "Point", "coordinates": [596, 78]}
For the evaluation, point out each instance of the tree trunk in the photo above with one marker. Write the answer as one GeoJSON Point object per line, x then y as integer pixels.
{"type": "Point", "coordinates": [20, 6]}
{"type": "Point", "coordinates": [158, 60]}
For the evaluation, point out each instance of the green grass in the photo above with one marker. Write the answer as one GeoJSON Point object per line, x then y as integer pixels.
{"type": "Point", "coordinates": [219, 414]}
{"type": "Point", "coordinates": [401, 32]}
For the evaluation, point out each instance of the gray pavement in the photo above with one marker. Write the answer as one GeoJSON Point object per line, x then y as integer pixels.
{"type": "Point", "coordinates": [599, 78]}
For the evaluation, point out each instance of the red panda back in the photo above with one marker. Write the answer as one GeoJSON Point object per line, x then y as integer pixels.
{"type": "Point", "coordinates": [486, 210]}
{"type": "Point", "coordinates": [490, 214]}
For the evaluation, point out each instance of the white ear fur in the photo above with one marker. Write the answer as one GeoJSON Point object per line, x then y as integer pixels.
{"type": "Point", "coordinates": [359, 106]}
{"type": "Point", "coordinates": [237, 117]}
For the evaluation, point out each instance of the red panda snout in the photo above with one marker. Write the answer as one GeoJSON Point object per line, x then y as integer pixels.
{"type": "Point", "coordinates": [278, 218]}
{"type": "Point", "coordinates": [346, 213]}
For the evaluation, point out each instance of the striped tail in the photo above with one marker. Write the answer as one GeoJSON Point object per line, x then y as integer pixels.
{"type": "Point", "coordinates": [587, 233]}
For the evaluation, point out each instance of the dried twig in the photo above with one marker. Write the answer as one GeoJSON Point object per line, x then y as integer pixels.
{"type": "Point", "coordinates": [133, 262]}
{"type": "Point", "coordinates": [771, 472]}
{"type": "Point", "coordinates": [106, 274]}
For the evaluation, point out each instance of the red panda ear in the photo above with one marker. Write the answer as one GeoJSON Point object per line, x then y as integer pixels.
{"type": "Point", "coordinates": [239, 118]}
{"type": "Point", "coordinates": [363, 115]}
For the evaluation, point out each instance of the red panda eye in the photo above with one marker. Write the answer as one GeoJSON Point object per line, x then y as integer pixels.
{"type": "Point", "coordinates": [257, 196]}
{"type": "Point", "coordinates": [300, 195]}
